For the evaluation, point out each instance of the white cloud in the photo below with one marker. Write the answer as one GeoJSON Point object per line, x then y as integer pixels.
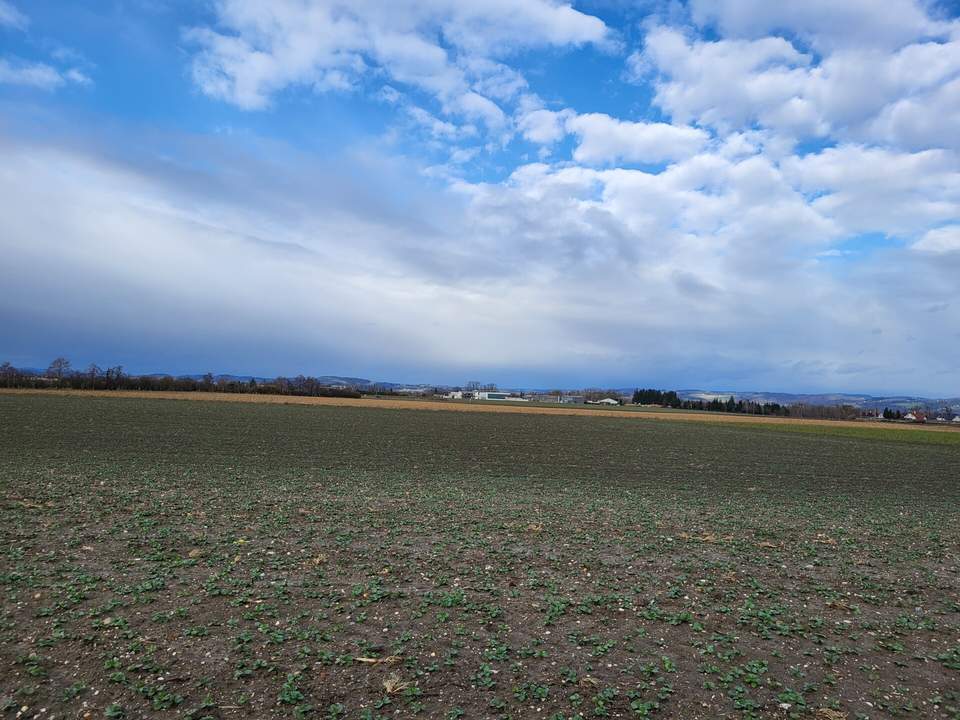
{"type": "Point", "coordinates": [502, 26]}
{"type": "Point", "coordinates": [923, 120]}
{"type": "Point", "coordinates": [703, 212]}
{"type": "Point", "coordinates": [31, 73]}
{"type": "Point", "coordinates": [728, 83]}
{"type": "Point", "coordinates": [855, 90]}
{"type": "Point", "coordinates": [38, 75]}
{"type": "Point", "coordinates": [476, 106]}
{"type": "Point", "coordinates": [77, 76]}
{"type": "Point", "coordinates": [856, 93]}
{"type": "Point", "coordinates": [261, 47]}
{"type": "Point", "coordinates": [940, 240]}
{"type": "Point", "coordinates": [879, 190]}
{"type": "Point", "coordinates": [494, 79]}
{"type": "Point", "coordinates": [826, 24]}
{"type": "Point", "coordinates": [544, 126]}
{"type": "Point", "coordinates": [11, 17]}
{"type": "Point", "coordinates": [463, 155]}
{"type": "Point", "coordinates": [603, 139]}
{"type": "Point", "coordinates": [438, 128]}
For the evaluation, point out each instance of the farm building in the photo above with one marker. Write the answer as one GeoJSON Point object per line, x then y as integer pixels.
{"type": "Point", "coordinates": [559, 399]}
{"type": "Point", "coordinates": [482, 395]}
{"type": "Point", "coordinates": [546, 398]}
{"type": "Point", "coordinates": [491, 395]}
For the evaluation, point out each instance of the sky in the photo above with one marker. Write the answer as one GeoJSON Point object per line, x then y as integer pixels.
{"type": "Point", "coordinates": [717, 194]}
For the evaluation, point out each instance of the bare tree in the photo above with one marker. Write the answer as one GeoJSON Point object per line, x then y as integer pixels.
{"type": "Point", "coordinates": [114, 377]}
{"type": "Point", "coordinates": [8, 375]}
{"type": "Point", "coordinates": [58, 368]}
{"type": "Point", "coordinates": [93, 372]}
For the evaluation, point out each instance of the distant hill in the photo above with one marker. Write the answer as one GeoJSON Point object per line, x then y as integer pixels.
{"type": "Point", "coordinates": [894, 402]}
{"type": "Point", "coordinates": [324, 379]}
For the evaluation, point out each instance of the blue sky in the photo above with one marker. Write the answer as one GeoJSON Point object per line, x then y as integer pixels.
{"type": "Point", "coordinates": [728, 194]}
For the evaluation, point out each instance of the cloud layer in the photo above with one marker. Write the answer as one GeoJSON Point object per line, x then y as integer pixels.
{"type": "Point", "coordinates": [773, 204]}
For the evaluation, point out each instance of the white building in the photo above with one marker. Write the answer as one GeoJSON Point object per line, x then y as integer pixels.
{"type": "Point", "coordinates": [460, 395]}
{"type": "Point", "coordinates": [497, 395]}
{"type": "Point", "coordinates": [482, 395]}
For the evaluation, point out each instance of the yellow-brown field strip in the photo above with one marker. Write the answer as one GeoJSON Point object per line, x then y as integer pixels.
{"type": "Point", "coordinates": [442, 405]}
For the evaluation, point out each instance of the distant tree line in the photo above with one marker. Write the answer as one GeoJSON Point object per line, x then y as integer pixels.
{"type": "Point", "coordinates": [649, 396]}
{"type": "Point", "coordinates": [60, 374]}
{"type": "Point", "coordinates": [670, 398]}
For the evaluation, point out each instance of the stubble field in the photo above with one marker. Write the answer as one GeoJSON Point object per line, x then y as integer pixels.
{"type": "Point", "coordinates": [233, 560]}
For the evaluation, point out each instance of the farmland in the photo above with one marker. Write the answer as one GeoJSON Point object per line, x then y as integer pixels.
{"type": "Point", "coordinates": [255, 560]}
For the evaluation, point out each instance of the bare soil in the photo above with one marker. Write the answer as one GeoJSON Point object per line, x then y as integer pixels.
{"type": "Point", "coordinates": [235, 560]}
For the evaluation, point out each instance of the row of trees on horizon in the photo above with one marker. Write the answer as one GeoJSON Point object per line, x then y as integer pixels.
{"type": "Point", "coordinates": [670, 398]}
{"type": "Point", "coordinates": [61, 374]}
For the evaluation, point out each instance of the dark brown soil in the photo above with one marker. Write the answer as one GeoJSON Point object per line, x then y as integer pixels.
{"type": "Point", "coordinates": [227, 560]}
